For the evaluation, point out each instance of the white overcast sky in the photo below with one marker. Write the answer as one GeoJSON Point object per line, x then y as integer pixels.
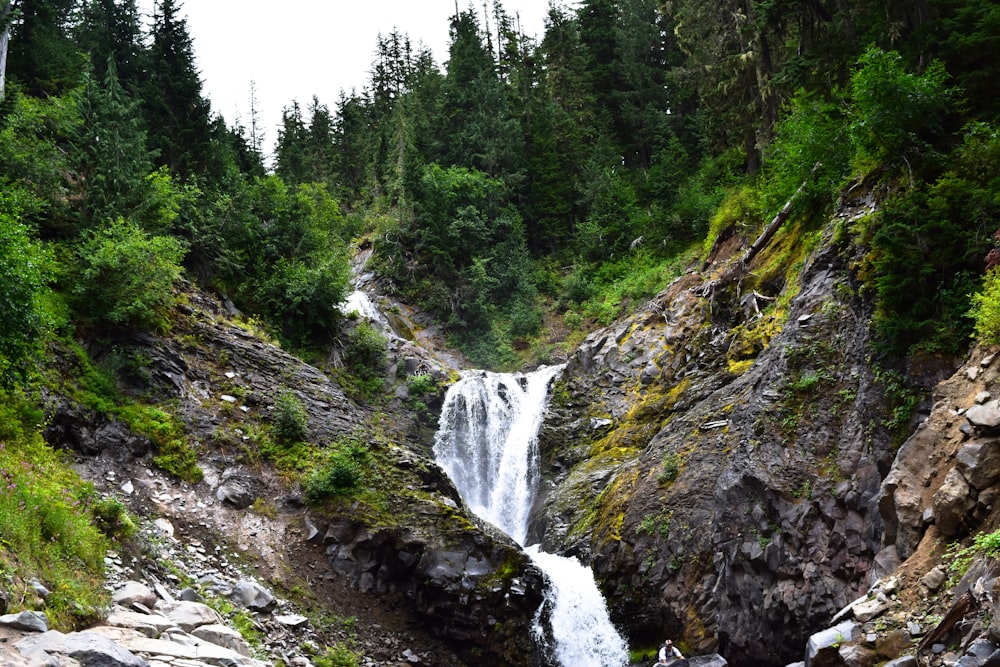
{"type": "Point", "coordinates": [294, 49]}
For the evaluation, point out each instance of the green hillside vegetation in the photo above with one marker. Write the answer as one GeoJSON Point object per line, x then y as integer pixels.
{"type": "Point", "coordinates": [530, 190]}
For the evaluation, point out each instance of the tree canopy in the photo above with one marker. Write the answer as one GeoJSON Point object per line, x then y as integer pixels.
{"type": "Point", "coordinates": [516, 179]}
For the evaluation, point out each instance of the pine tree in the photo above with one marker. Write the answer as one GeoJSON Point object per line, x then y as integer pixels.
{"type": "Point", "coordinates": [111, 29]}
{"type": "Point", "coordinates": [178, 115]}
{"type": "Point", "coordinates": [43, 56]}
{"type": "Point", "coordinates": [319, 147]}
{"type": "Point", "coordinates": [292, 150]}
{"type": "Point", "coordinates": [111, 153]}
{"type": "Point", "coordinates": [477, 119]}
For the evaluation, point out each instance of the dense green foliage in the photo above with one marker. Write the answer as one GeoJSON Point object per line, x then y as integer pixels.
{"type": "Point", "coordinates": [50, 521]}
{"type": "Point", "coordinates": [20, 287]}
{"type": "Point", "coordinates": [564, 172]}
{"type": "Point", "coordinates": [528, 181]}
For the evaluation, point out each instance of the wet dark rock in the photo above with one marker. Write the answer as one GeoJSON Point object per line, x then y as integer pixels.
{"type": "Point", "coordinates": [238, 488]}
{"type": "Point", "coordinates": [703, 499]}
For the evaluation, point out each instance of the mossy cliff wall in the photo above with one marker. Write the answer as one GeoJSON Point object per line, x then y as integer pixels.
{"type": "Point", "coordinates": [718, 457]}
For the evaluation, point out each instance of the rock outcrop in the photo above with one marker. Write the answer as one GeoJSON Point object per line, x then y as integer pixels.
{"type": "Point", "coordinates": [718, 459]}
{"type": "Point", "coordinates": [409, 545]}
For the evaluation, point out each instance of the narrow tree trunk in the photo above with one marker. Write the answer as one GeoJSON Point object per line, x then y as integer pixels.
{"type": "Point", "coordinates": [4, 39]}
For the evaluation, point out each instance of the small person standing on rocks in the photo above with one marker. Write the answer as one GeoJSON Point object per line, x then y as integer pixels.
{"type": "Point", "coordinates": [669, 653]}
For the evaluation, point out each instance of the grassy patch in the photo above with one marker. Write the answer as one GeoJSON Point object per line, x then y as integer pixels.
{"type": "Point", "coordinates": [49, 522]}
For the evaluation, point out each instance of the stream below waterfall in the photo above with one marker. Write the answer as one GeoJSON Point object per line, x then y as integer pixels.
{"type": "Point", "coordinates": [487, 443]}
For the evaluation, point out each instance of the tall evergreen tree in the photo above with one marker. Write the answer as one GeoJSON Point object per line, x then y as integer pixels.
{"type": "Point", "coordinates": [292, 150]}
{"type": "Point", "coordinates": [598, 35]}
{"type": "Point", "coordinates": [352, 137]}
{"type": "Point", "coordinates": [478, 123]}
{"type": "Point", "coordinates": [111, 153]}
{"type": "Point", "coordinates": [43, 55]}
{"type": "Point", "coordinates": [112, 29]}
{"type": "Point", "coordinates": [179, 116]}
{"type": "Point", "coordinates": [319, 147]}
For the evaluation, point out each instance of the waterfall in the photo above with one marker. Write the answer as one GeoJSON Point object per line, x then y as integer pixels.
{"type": "Point", "coordinates": [359, 302]}
{"type": "Point", "coordinates": [487, 442]}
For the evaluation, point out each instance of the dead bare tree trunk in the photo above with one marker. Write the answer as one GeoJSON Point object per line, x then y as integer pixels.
{"type": "Point", "coordinates": [5, 6]}
{"type": "Point", "coordinates": [736, 270]}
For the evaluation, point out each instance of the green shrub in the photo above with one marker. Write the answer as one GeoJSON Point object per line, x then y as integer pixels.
{"type": "Point", "coordinates": [112, 518]}
{"type": "Point", "coordinates": [291, 423]}
{"type": "Point", "coordinates": [337, 656]}
{"type": "Point", "coordinates": [126, 277]}
{"type": "Point", "coordinates": [343, 471]}
{"type": "Point", "coordinates": [985, 545]}
{"type": "Point", "coordinates": [928, 248]}
{"type": "Point", "coordinates": [896, 114]}
{"type": "Point", "coordinates": [21, 283]}
{"type": "Point", "coordinates": [986, 308]}
{"type": "Point", "coordinates": [366, 351]}
{"type": "Point", "coordinates": [421, 384]}
{"type": "Point", "coordinates": [671, 468]}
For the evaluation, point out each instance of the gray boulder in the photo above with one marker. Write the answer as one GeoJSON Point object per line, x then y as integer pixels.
{"type": "Point", "coordinates": [223, 635]}
{"type": "Point", "coordinates": [93, 650]}
{"type": "Point", "coordinates": [253, 596]}
{"type": "Point", "coordinates": [979, 463]}
{"type": "Point", "coordinates": [189, 615]}
{"type": "Point", "coordinates": [132, 592]}
{"type": "Point", "coordinates": [953, 503]}
{"type": "Point", "coordinates": [985, 416]}
{"type": "Point", "coordinates": [820, 643]}
{"type": "Point", "coordinates": [32, 621]}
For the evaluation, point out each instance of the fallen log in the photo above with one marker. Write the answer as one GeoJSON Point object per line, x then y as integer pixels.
{"type": "Point", "coordinates": [736, 270]}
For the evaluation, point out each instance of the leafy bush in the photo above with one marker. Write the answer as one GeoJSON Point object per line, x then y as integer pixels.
{"type": "Point", "coordinates": [342, 471]}
{"type": "Point", "coordinates": [300, 297]}
{"type": "Point", "coordinates": [814, 132]}
{"type": "Point", "coordinates": [421, 384]}
{"type": "Point", "coordinates": [986, 308]}
{"type": "Point", "coordinates": [366, 350]}
{"type": "Point", "coordinates": [929, 247]}
{"type": "Point", "coordinates": [20, 285]}
{"type": "Point", "coordinates": [985, 545]}
{"type": "Point", "coordinates": [418, 387]}
{"type": "Point", "coordinates": [291, 423]}
{"type": "Point", "coordinates": [337, 656]}
{"type": "Point", "coordinates": [112, 518]}
{"type": "Point", "coordinates": [126, 277]}
{"type": "Point", "coordinates": [896, 114]}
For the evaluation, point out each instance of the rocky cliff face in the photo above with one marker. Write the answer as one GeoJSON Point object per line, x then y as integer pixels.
{"type": "Point", "coordinates": [718, 457]}
{"type": "Point", "coordinates": [404, 556]}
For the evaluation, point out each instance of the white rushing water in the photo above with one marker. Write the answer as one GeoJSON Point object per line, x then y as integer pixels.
{"type": "Point", "coordinates": [487, 443]}
{"type": "Point", "coordinates": [359, 302]}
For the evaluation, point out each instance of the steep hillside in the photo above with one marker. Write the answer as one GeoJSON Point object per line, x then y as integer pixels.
{"type": "Point", "coordinates": [351, 519]}
{"type": "Point", "coordinates": [718, 457]}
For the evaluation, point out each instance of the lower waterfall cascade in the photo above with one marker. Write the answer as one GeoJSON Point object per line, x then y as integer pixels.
{"type": "Point", "coordinates": [487, 444]}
